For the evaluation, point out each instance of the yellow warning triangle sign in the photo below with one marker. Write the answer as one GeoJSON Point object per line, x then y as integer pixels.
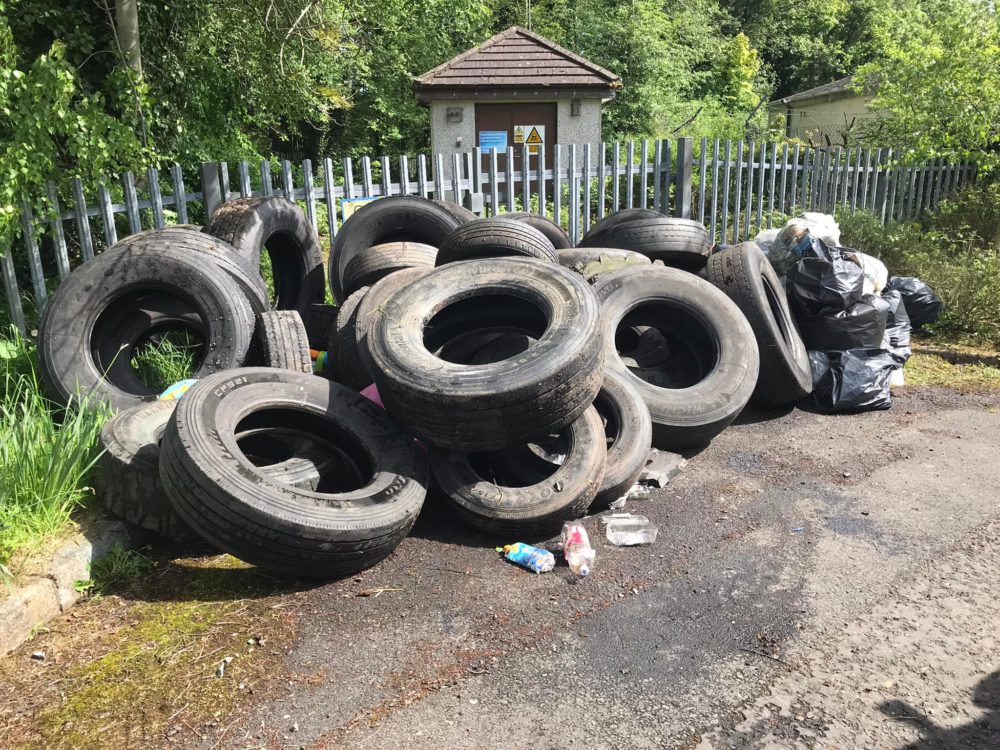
{"type": "Point", "coordinates": [534, 137]}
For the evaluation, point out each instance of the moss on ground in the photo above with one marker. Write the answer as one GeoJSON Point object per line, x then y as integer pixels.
{"type": "Point", "coordinates": [134, 668]}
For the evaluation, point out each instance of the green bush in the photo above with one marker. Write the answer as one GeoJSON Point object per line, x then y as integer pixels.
{"type": "Point", "coordinates": [956, 250]}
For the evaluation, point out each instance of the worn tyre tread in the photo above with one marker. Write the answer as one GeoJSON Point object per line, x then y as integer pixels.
{"type": "Point", "coordinates": [785, 375]}
{"type": "Point", "coordinates": [377, 262]}
{"type": "Point", "coordinates": [495, 238]}
{"type": "Point", "coordinates": [283, 341]}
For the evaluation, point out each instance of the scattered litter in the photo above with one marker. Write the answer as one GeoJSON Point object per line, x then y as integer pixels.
{"type": "Point", "coordinates": [178, 389]}
{"type": "Point", "coordinates": [377, 591]}
{"type": "Point", "coordinates": [220, 671]}
{"type": "Point", "coordinates": [533, 558]}
{"type": "Point", "coordinates": [38, 656]}
{"type": "Point", "coordinates": [576, 548]}
{"type": "Point", "coordinates": [799, 530]}
{"type": "Point", "coordinates": [627, 530]}
{"type": "Point", "coordinates": [661, 467]}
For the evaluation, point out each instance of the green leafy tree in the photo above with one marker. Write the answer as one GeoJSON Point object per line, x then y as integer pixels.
{"type": "Point", "coordinates": [49, 121]}
{"type": "Point", "coordinates": [938, 82]}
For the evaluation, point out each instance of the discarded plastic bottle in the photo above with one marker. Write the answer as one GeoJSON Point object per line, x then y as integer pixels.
{"type": "Point", "coordinates": [532, 558]}
{"type": "Point", "coordinates": [576, 548]}
{"type": "Point", "coordinates": [627, 530]}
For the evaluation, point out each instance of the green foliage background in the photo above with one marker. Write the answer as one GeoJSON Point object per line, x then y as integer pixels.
{"type": "Point", "coordinates": [232, 79]}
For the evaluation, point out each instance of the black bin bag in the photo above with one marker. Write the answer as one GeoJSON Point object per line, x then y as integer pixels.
{"type": "Point", "coordinates": [862, 326]}
{"type": "Point", "coordinates": [824, 281]}
{"type": "Point", "coordinates": [922, 305]}
{"type": "Point", "coordinates": [854, 380]}
{"type": "Point", "coordinates": [897, 326]}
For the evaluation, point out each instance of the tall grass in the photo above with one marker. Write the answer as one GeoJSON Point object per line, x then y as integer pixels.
{"type": "Point", "coordinates": [169, 358]}
{"type": "Point", "coordinates": [46, 455]}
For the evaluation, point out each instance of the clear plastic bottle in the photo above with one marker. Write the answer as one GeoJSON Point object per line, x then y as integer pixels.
{"type": "Point", "coordinates": [627, 530]}
{"type": "Point", "coordinates": [576, 548]}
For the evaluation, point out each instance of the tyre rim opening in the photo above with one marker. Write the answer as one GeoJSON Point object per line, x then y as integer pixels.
{"type": "Point", "coordinates": [281, 268]}
{"type": "Point", "coordinates": [143, 342]}
{"type": "Point", "coordinates": [523, 465]}
{"type": "Point", "coordinates": [279, 434]}
{"type": "Point", "coordinates": [666, 345]}
{"type": "Point", "coordinates": [484, 329]}
{"type": "Point", "coordinates": [610, 417]}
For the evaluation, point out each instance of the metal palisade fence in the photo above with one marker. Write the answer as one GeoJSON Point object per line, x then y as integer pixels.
{"type": "Point", "coordinates": [735, 189]}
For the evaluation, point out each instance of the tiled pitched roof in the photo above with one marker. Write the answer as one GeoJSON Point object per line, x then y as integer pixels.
{"type": "Point", "coordinates": [517, 58]}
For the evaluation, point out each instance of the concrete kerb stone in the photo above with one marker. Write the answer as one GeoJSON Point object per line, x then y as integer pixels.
{"type": "Point", "coordinates": [46, 589]}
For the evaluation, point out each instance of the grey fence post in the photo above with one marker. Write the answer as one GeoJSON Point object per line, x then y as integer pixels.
{"type": "Point", "coordinates": [685, 151]}
{"type": "Point", "coordinates": [880, 201]}
{"type": "Point", "coordinates": [211, 187]}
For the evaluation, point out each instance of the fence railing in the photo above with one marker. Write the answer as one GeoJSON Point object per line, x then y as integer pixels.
{"type": "Point", "coordinates": [735, 189]}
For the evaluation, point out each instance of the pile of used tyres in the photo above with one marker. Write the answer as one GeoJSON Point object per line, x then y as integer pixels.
{"type": "Point", "coordinates": [853, 318]}
{"type": "Point", "coordinates": [483, 359]}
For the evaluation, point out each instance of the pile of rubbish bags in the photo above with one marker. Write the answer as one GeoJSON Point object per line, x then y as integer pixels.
{"type": "Point", "coordinates": [854, 318]}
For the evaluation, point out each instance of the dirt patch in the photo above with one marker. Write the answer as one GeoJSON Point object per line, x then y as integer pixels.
{"type": "Point", "coordinates": [133, 667]}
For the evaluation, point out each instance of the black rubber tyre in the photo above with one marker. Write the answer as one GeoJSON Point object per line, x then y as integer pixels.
{"type": "Point", "coordinates": [356, 355]}
{"type": "Point", "coordinates": [613, 219]}
{"type": "Point", "coordinates": [714, 363]}
{"type": "Point", "coordinates": [475, 486]}
{"type": "Point", "coordinates": [319, 320]}
{"type": "Point", "coordinates": [82, 343]}
{"type": "Point", "coordinates": [220, 252]}
{"type": "Point", "coordinates": [552, 231]}
{"type": "Point", "coordinates": [344, 365]}
{"type": "Point", "coordinates": [461, 213]}
{"type": "Point", "coordinates": [745, 274]}
{"type": "Point", "coordinates": [275, 224]}
{"type": "Point", "coordinates": [401, 218]}
{"type": "Point", "coordinates": [486, 407]}
{"type": "Point", "coordinates": [284, 529]}
{"type": "Point", "coordinates": [282, 341]}
{"type": "Point", "coordinates": [679, 243]}
{"type": "Point", "coordinates": [591, 262]}
{"type": "Point", "coordinates": [127, 478]}
{"type": "Point", "coordinates": [495, 238]}
{"type": "Point", "coordinates": [629, 431]}
{"type": "Point", "coordinates": [379, 261]}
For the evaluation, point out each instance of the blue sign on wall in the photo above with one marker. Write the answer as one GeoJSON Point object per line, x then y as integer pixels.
{"type": "Point", "coordinates": [493, 139]}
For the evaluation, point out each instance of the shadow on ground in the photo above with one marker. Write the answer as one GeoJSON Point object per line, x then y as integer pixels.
{"type": "Point", "coordinates": [197, 572]}
{"type": "Point", "coordinates": [981, 733]}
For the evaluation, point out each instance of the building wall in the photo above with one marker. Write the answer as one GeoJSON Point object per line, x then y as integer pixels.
{"type": "Point", "coordinates": [833, 117]}
{"type": "Point", "coordinates": [445, 136]}
{"type": "Point", "coordinates": [452, 137]}
{"type": "Point", "coordinates": [586, 128]}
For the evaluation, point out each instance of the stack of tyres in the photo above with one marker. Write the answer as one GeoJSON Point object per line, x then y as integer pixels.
{"type": "Point", "coordinates": [526, 378]}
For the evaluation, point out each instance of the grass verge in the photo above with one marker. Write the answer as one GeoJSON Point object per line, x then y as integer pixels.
{"type": "Point", "coordinates": [45, 457]}
{"type": "Point", "coordinates": [965, 367]}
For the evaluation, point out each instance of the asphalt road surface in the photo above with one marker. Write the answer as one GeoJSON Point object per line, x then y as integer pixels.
{"type": "Point", "coordinates": [818, 582]}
